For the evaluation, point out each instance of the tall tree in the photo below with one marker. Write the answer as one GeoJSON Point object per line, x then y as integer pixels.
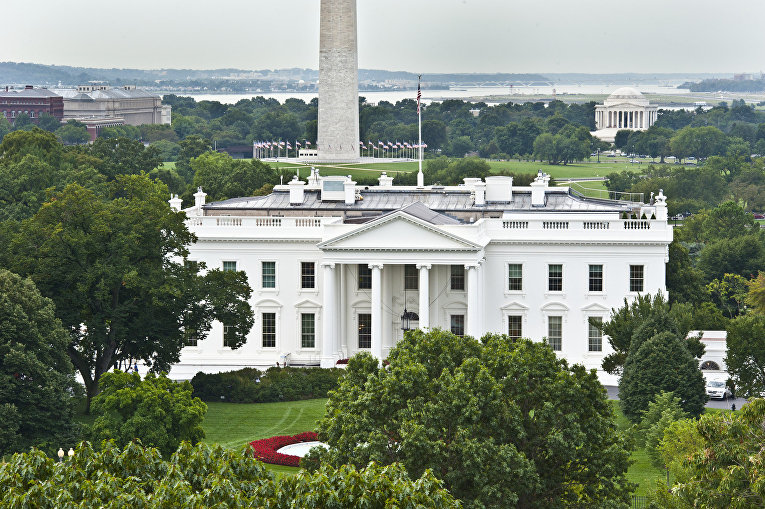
{"type": "Point", "coordinates": [37, 376]}
{"type": "Point", "coordinates": [745, 356]}
{"type": "Point", "coordinates": [503, 423]}
{"type": "Point", "coordinates": [115, 269]}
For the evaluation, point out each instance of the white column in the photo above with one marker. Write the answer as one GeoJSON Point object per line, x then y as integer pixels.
{"type": "Point", "coordinates": [329, 318]}
{"type": "Point", "coordinates": [473, 327]}
{"type": "Point", "coordinates": [424, 310]}
{"type": "Point", "coordinates": [376, 310]}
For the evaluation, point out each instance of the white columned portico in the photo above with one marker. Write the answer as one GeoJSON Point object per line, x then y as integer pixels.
{"type": "Point", "coordinates": [473, 327]}
{"type": "Point", "coordinates": [376, 309]}
{"type": "Point", "coordinates": [329, 318]}
{"type": "Point", "coordinates": [424, 310]}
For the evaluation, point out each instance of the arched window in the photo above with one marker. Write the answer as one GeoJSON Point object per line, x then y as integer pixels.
{"type": "Point", "coordinates": [710, 365]}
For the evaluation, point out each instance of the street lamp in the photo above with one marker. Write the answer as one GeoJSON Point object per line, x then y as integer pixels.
{"type": "Point", "coordinates": [70, 453]}
{"type": "Point", "coordinates": [60, 455]}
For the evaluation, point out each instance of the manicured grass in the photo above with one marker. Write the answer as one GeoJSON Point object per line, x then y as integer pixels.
{"type": "Point", "coordinates": [234, 425]}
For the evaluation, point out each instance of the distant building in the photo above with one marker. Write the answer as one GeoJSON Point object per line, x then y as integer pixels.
{"type": "Point", "coordinates": [625, 108]}
{"type": "Point", "coordinates": [716, 348]}
{"type": "Point", "coordinates": [31, 101]}
{"type": "Point", "coordinates": [133, 105]}
{"type": "Point", "coordinates": [95, 125]}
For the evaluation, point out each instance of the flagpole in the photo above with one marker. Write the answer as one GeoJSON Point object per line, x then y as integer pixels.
{"type": "Point", "coordinates": [420, 176]}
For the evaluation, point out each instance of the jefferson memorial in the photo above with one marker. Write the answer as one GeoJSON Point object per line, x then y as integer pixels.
{"type": "Point", "coordinates": [337, 268]}
{"type": "Point", "coordinates": [625, 108]}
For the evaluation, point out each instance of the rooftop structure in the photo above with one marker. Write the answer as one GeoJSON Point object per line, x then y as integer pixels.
{"type": "Point", "coordinates": [134, 105]}
{"type": "Point", "coordinates": [338, 268]}
{"type": "Point", "coordinates": [30, 101]}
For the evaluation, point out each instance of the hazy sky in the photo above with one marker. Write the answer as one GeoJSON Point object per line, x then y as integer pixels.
{"type": "Point", "coordinates": [413, 35]}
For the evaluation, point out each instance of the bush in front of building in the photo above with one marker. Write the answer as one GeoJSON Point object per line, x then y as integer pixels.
{"type": "Point", "coordinates": [250, 385]}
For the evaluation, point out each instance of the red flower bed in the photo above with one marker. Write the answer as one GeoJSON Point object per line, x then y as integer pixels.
{"type": "Point", "coordinates": [265, 450]}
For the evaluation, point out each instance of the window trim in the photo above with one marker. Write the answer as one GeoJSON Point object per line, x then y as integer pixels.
{"type": "Point", "coordinates": [366, 267]}
{"type": "Point", "coordinates": [224, 262]}
{"type": "Point", "coordinates": [562, 277]}
{"type": "Point", "coordinates": [521, 320]}
{"type": "Point", "coordinates": [589, 338]}
{"type": "Point", "coordinates": [416, 277]}
{"type": "Point", "coordinates": [548, 335]}
{"type": "Point", "coordinates": [315, 287]}
{"type": "Point", "coordinates": [359, 348]}
{"type": "Point", "coordinates": [275, 288]}
{"type": "Point", "coordinates": [452, 316]}
{"type": "Point", "coordinates": [602, 278]}
{"type": "Point", "coordinates": [642, 278]}
{"type": "Point", "coordinates": [263, 332]}
{"type": "Point", "coordinates": [302, 315]}
{"type": "Point", "coordinates": [508, 291]}
{"type": "Point", "coordinates": [464, 278]}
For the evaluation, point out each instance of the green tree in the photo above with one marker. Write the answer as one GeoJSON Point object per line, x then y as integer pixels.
{"type": "Point", "coordinates": [204, 476]}
{"type": "Point", "coordinates": [191, 147]}
{"type": "Point", "coordinates": [21, 122]}
{"type": "Point", "coordinates": [115, 270]}
{"type": "Point", "coordinates": [5, 127]}
{"type": "Point", "coordinates": [48, 122]}
{"type": "Point", "coordinates": [503, 423]}
{"type": "Point", "coordinates": [37, 376]}
{"type": "Point", "coordinates": [662, 363]}
{"type": "Point", "coordinates": [664, 410]}
{"type": "Point", "coordinates": [756, 295]}
{"type": "Point", "coordinates": [745, 356]}
{"type": "Point", "coordinates": [684, 281]}
{"type": "Point", "coordinates": [122, 156]}
{"type": "Point", "coordinates": [157, 411]}
{"type": "Point", "coordinates": [73, 134]}
{"type": "Point", "coordinates": [698, 142]}
{"type": "Point", "coordinates": [722, 462]}
{"type": "Point", "coordinates": [434, 133]}
{"type": "Point", "coordinates": [223, 177]}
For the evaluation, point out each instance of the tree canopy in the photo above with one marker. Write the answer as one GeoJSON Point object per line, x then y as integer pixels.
{"type": "Point", "coordinates": [501, 422]}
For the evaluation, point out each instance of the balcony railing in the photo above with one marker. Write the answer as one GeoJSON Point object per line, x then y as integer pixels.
{"type": "Point", "coordinates": [258, 222]}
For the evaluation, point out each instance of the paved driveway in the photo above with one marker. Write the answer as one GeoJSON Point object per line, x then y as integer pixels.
{"type": "Point", "coordinates": [613, 393]}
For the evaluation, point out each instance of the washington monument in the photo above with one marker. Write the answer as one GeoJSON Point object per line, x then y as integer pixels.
{"type": "Point", "coordinates": [338, 131]}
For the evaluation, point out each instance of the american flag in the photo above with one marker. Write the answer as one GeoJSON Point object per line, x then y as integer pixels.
{"type": "Point", "coordinates": [419, 93]}
{"type": "Point", "coordinates": [380, 143]}
{"type": "Point", "coordinates": [297, 144]}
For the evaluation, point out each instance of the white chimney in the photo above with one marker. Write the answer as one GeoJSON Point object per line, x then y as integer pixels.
{"type": "Point", "coordinates": [538, 188]}
{"type": "Point", "coordinates": [385, 180]}
{"type": "Point", "coordinates": [297, 191]}
{"type": "Point", "coordinates": [499, 189]}
{"type": "Point", "coordinates": [470, 182]}
{"type": "Point", "coordinates": [661, 206]}
{"type": "Point", "coordinates": [350, 191]}
{"type": "Point", "coordinates": [175, 203]}
{"type": "Point", "coordinates": [480, 193]}
{"type": "Point", "coordinates": [199, 199]}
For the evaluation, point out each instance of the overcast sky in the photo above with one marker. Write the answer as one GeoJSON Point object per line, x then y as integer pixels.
{"type": "Point", "coordinates": [596, 36]}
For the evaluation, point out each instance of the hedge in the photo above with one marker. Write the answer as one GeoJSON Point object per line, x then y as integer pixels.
{"type": "Point", "coordinates": [250, 385]}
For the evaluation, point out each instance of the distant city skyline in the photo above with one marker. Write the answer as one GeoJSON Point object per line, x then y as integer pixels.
{"type": "Point", "coordinates": [459, 36]}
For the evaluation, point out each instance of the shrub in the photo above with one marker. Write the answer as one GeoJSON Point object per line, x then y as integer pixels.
{"type": "Point", "coordinates": [250, 385]}
{"type": "Point", "coordinates": [158, 411]}
{"type": "Point", "coordinates": [661, 413]}
{"type": "Point", "coordinates": [266, 449]}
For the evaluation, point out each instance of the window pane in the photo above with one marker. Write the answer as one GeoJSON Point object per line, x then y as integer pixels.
{"type": "Point", "coordinates": [596, 278]}
{"type": "Point", "coordinates": [458, 277]}
{"type": "Point", "coordinates": [307, 275]}
{"type": "Point", "coordinates": [229, 266]}
{"type": "Point", "coordinates": [269, 330]}
{"type": "Point", "coordinates": [555, 332]}
{"type": "Point", "coordinates": [555, 278]}
{"type": "Point", "coordinates": [636, 278]}
{"type": "Point", "coordinates": [365, 330]}
{"type": "Point", "coordinates": [229, 336]}
{"type": "Point", "coordinates": [595, 334]}
{"type": "Point", "coordinates": [269, 274]}
{"type": "Point", "coordinates": [515, 277]}
{"type": "Point", "coordinates": [411, 277]}
{"type": "Point", "coordinates": [190, 337]}
{"type": "Point", "coordinates": [458, 325]}
{"type": "Point", "coordinates": [514, 327]}
{"type": "Point", "coordinates": [365, 277]}
{"type": "Point", "coordinates": [308, 330]}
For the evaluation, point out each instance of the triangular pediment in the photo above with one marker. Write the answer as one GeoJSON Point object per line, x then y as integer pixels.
{"type": "Point", "coordinates": [399, 232]}
{"type": "Point", "coordinates": [595, 308]}
{"type": "Point", "coordinates": [515, 306]}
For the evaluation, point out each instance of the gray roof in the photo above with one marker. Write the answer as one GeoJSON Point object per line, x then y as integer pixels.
{"type": "Point", "coordinates": [28, 92]}
{"type": "Point", "coordinates": [111, 93]}
{"type": "Point", "coordinates": [443, 201]}
{"type": "Point", "coordinates": [421, 211]}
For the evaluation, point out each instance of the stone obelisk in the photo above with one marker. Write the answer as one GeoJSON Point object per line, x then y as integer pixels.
{"type": "Point", "coordinates": [338, 130]}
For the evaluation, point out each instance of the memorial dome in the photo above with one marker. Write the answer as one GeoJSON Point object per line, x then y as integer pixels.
{"type": "Point", "coordinates": [626, 95]}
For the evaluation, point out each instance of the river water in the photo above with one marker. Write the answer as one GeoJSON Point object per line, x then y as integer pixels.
{"type": "Point", "coordinates": [509, 93]}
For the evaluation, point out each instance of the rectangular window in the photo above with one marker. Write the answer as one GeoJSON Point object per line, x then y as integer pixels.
{"type": "Point", "coordinates": [189, 337]}
{"type": "Point", "coordinates": [308, 330]}
{"type": "Point", "coordinates": [269, 274]}
{"type": "Point", "coordinates": [515, 327]}
{"type": "Point", "coordinates": [411, 277]}
{"type": "Point", "coordinates": [596, 278]}
{"type": "Point", "coordinates": [307, 275]}
{"type": "Point", "coordinates": [555, 332]}
{"type": "Point", "coordinates": [458, 277]}
{"type": "Point", "coordinates": [269, 330]}
{"type": "Point", "coordinates": [515, 277]}
{"type": "Point", "coordinates": [555, 278]}
{"type": "Point", "coordinates": [365, 330]}
{"type": "Point", "coordinates": [229, 266]}
{"type": "Point", "coordinates": [229, 336]}
{"type": "Point", "coordinates": [365, 277]}
{"type": "Point", "coordinates": [458, 325]}
{"type": "Point", "coordinates": [595, 334]}
{"type": "Point", "coordinates": [636, 278]}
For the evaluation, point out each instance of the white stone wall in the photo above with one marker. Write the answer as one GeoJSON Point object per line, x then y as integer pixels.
{"type": "Point", "coordinates": [338, 116]}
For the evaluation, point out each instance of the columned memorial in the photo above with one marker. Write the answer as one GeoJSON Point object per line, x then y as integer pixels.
{"type": "Point", "coordinates": [625, 108]}
{"type": "Point", "coordinates": [338, 130]}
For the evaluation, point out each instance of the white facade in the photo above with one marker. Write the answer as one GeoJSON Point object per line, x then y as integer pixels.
{"type": "Point", "coordinates": [625, 108]}
{"type": "Point", "coordinates": [328, 263]}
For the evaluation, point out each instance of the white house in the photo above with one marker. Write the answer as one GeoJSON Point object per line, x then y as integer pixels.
{"type": "Point", "coordinates": [338, 268]}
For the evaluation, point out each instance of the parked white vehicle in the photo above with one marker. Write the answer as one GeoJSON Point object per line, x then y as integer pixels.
{"type": "Point", "coordinates": [718, 389]}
